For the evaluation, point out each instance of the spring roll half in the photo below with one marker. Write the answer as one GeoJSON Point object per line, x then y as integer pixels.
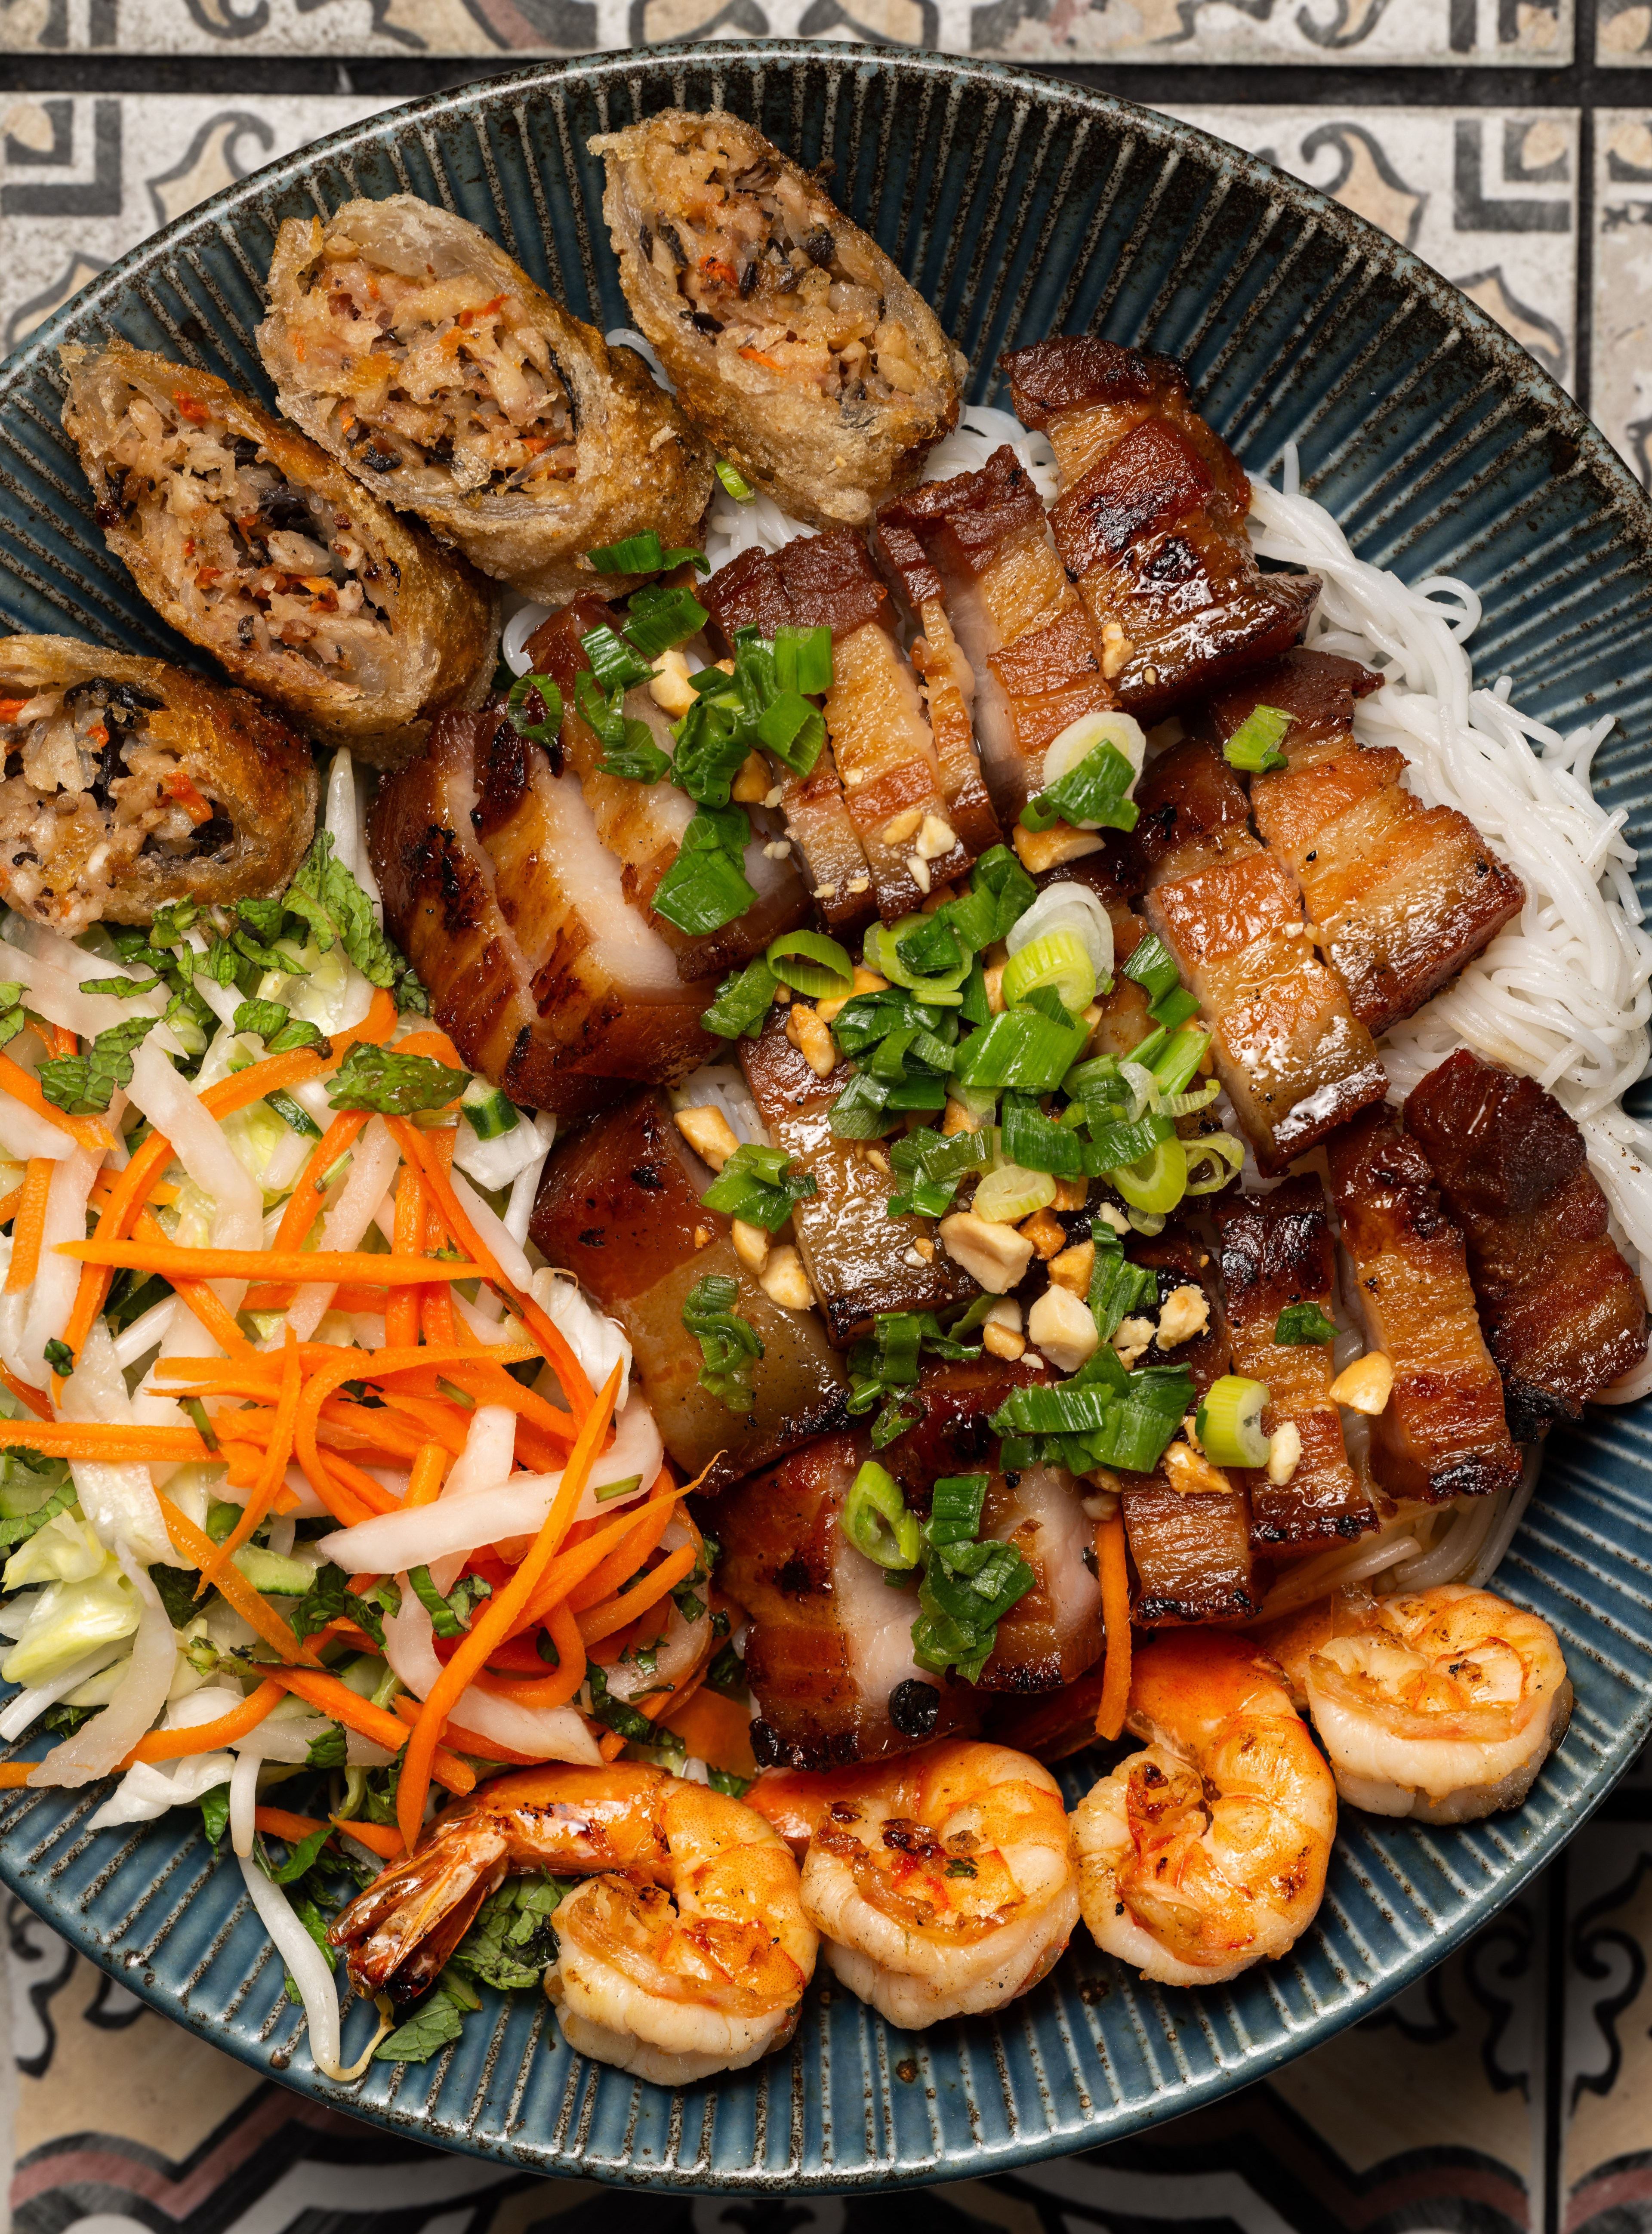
{"type": "Point", "coordinates": [795, 342]}
{"type": "Point", "coordinates": [129, 783]}
{"type": "Point", "coordinates": [259, 547]}
{"type": "Point", "coordinates": [409, 346]}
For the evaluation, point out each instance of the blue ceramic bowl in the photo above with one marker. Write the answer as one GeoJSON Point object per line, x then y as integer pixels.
{"type": "Point", "coordinates": [1021, 208]}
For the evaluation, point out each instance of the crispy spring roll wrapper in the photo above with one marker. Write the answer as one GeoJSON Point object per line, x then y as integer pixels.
{"type": "Point", "coordinates": [796, 345]}
{"type": "Point", "coordinates": [409, 346]}
{"type": "Point", "coordinates": [259, 547]}
{"type": "Point", "coordinates": [129, 783]}
{"type": "Point", "coordinates": [620, 1206]}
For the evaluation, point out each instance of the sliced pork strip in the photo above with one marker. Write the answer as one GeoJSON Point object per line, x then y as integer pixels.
{"type": "Point", "coordinates": [949, 686]}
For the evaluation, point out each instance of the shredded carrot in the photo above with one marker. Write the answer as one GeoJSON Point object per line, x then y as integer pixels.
{"type": "Point", "coordinates": [489, 1383]}
{"type": "Point", "coordinates": [133, 1186]}
{"type": "Point", "coordinates": [378, 1838]}
{"type": "Point", "coordinates": [303, 1205]}
{"type": "Point", "coordinates": [31, 1228]}
{"type": "Point", "coordinates": [283, 1824]}
{"type": "Point", "coordinates": [1115, 1614]}
{"type": "Point", "coordinates": [110, 1441]}
{"type": "Point", "coordinates": [33, 1398]}
{"type": "Point", "coordinates": [318, 1265]}
{"type": "Point", "coordinates": [715, 1729]}
{"type": "Point", "coordinates": [196, 1548]}
{"type": "Point", "coordinates": [401, 1311]}
{"type": "Point", "coordinates": [429, 1468]}
{"type": "Point", "coordinates": [206, 1737]}
{"type": "Point", "coordinates": [495, 1620]}
{"type": "Point", "coordinates": [331, 1697]}
{"type": "Point", "coordinates": [10, 1204]}
{"type": "Point", "coordinates": [620, 1611]}
{"type": "Point", "coordinates": [85, 1132]}
{"type": "Point", "coordinates": [271, 1473]}
{"type": "Point", "coordinates": [358, 1485]}
{"type": "Point", "coordinates": [435, 1044]}
{"type": "Point", "coordinates": [417, 1151]}
{"type": "Point", "coordinates": [651, 1521]}
{"type": "Point", "coordinates": [440, 1418]}
{"type": "Point", "coordinates": [213, 1315]}
{"type": "Point", "coordinates": [16, 1773]}
{"type": "Point", "coordinates": [576, 1561]}
{"type": "Point", "coordinates": [463, 1741]}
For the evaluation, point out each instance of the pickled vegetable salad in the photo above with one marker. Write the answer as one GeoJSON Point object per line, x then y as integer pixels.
{"type": "Point", "coordinates": [308, 1474]}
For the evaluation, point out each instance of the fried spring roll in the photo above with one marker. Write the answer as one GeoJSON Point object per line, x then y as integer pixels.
{"type": "Point", "coordinates": [884, 839]}
{"type": "Point", "coordinates": [256, 545]}
{"type": "Point", "coordinates": [1150, 522]}
{"type": "Point", "coordinates": [620, 1207]}
{"type": "Point", "coordinates": [1563, 1312]}
{"type": "Point", "coordinates": [1402, 895]}
{"type": "Point", "coordinates": [499, 889]}
{"type": "Point", "coordinates": [1037, 661]}
{"type": "Point", "coordinates": [129, 783]}
{"type": "Point", "coordinates": [1192, 1553]}
{"type": "Point", "coordinates": [1295, 1061]}
{"type": "Point", "coordinates": [1278, 1251]}
{"type": "Point", "coordinates": [642, 824]}
{"type": "Point", "coordinates": [796, 345]}
{"type": "Point", "coordinates": [1442, 1432]}
{"type": "Point", "coordinates": [859, 1260]}
{"type": "Point", "coordinates": [409, 346]}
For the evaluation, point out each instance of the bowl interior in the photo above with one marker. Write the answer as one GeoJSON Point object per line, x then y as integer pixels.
{"type": "Point", "coordinates": [1021, 208]}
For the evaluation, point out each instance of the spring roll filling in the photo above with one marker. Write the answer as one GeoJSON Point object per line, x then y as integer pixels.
{"type": "Point", "coordinates": [89, 785]}
{"type": "Point", "coordinates": [257, 559]}
{"type": "Point", "coordinates": [767, 272]}
{"type": "Point", "coordinates": [432, 374]}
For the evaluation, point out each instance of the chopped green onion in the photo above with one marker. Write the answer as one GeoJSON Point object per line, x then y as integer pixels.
{"type": "Point", "coordinates": [1129, 1143]}
{"type": "Point", "coordinates": [1216, 1157]}
{"type": "Point", "coordinates": [1152, 965]}
{"type": "Point", "coordinates": [1301, 1324]}
{"type": "Point", "coordinates": [705, 887]}
{"type": "Point", "coordinates": [814, 964]}
{"type": "Point", "coordinates": [1158, 1182]}
{"type": "Point", "coordinates": [758, 1186]}
{"type": "Point", "coordinates": [1140, 1429]}
{"type": "Point", "coordinates": [919, 934]}
{"type": "Point", "coordinates": [657, 618]}
{"type": "Point", "coordinates": [1175, 1009]}
{"type": "Point", "coordinates": [1229, 1421]}
{"type": "Point", "coordinates": [955, 1508]}
{"type": "Point", "coordinates": [803, 659]}
{"type": "Point", "coordinates": [643, 554]}
{"type": "Point", "coordinates": [613, 662]}
{"type": "Point", "coordinates": [729, 1343]}
{"type": "Point", "coordinates": [544, 731]}
{"type": "Point", "coordinates": [1009, 1194]}
{"type": "Point", "coordinates": [293, 1114]}
{"type": "Point", "coordinates": [1088, 797]}
{"type": "Point", "coordinates": [999, 877]}
{"type": "Point", "coordinates": [491, 1113]}
{"type": "Point", "coordinates": [1023, 1048]}
{"type": "Point", "coordinates": [1060, 960]}
{"type": "Point", "coordinates": [743, 1002]}
{"type": "Point", "coordinates": [1037, 1143]}
{"type": "Point", "coordinates": [1176, 1065]}
{"type": "Point", "coordinates": [793, 730]}
{"type": "Point", "coordinates": [1254, 746]}
{"type": "Point", "coordinates": [861, 1112]}
{"type": "Point", "coordinates": [876, 1522]}
{"type": "Point", "coordinates": [1118, 1288]}
{"type": "Point", "coordinates": [613, 1489]}
{"type": "Point", "coordinates": [737, 486]}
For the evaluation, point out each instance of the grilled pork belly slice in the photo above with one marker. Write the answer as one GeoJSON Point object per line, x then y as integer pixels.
{"type": "Point", "coordinates": [949, 686]}
{"type": "Point", "coordinates": [1192, 1553]}
{"type": "Point", "coordinates": [1442, 1434]}
{"type": "Point", "coordinates": [1150, 522]}
{"type": "Point", "coordinates": [642, 824]}
{"type": "Point", "coordinates": [1035, 657]}
{"type": "Point", "coordinates": [879, 740]}
{"type": "Point", "coordinates": [1295, 1061]}
{"type": "Point", "coordinates": [1563, 1314]}
{"type": "Point", "coordinates": [1402, 895]}
{"type": "Point", "coordinates": [620, 1208]}
{"type": "Point", "coordinates": [1277, 1251]}
{"type": "Point", "coordinates": [859, 1260]}
{"type": "Point", "coordinates": [829, 1654]}
{"type": "Point", "coordinates": [499, 891]}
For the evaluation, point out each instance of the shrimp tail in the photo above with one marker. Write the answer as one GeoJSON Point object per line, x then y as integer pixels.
{"type": "Point", "coordinates": [403, 1928]}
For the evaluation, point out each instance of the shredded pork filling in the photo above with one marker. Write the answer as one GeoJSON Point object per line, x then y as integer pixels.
{"type": "Point", "coordinates": [764, 273]}
{"type": "Point", "coordinates": [89, 785]}
{"type": "Point", "coordinates": [434, 375]}
{"type": "Point", "coordinates": [256, 558]}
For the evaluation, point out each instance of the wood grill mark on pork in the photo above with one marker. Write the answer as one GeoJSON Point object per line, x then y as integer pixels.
{"type": "Point", "coordinates": [1563, 1312]}
{"type": "Point", "coordinates": [1150, 522]}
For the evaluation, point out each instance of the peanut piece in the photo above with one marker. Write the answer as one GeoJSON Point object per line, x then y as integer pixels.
{"type": "Point", "coordinates": [671, 688]}
{"type": "Point", "coordinates": [751, 1245]}
{"type": "Point", "coordinates": [1193, 1476]}
{"type": "Point", "coordinates": [1046, 1233]}
{"type": "Point", "coordinates": [1186, 1312]}
{"type": "Point", "coordinates": [1366, 1385]}
{"type": "Point", "coordinates": [784, 1281]}
{"type": "Point", "coordinates": [708, 1133]}
{"type": "Point", "coordinates": [900, 827]}
{"type": "Point", "coordinates": [1045, 849]}
{"type": "Point", "coordinates": [1001, 1334]}
{"type": "Point", "coordinates": [751, 785]}
{"type": "Point", "coordinates": [995, 1256]}
{"type": "Point", "coordinates": [1063, 1328]}
{"type": "Point", "coordinates": [811, 1039]}
{"type": "Point", "coordinates": [1072, 1268]}
{"type": "Point", "coordinates": [1285, 1453]}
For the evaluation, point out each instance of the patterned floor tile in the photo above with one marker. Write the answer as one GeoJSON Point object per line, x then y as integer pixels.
{"type": "Point", "coordinates": [83, 177]}
{"type": "Point", "coordinates": [1620, 394]}
{"type": "Point", "coordinates": [1487, 196]}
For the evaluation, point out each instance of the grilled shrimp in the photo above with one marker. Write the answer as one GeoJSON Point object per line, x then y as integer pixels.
{"type": "Point", "coordinates": [942, 1883]}
{"type": "Point", "coordinates": [1206, 1851]}
{"type": "Point", "coordinates": [685, 1951]}
{"type": "Point", "coordinates": [1439, 1704]}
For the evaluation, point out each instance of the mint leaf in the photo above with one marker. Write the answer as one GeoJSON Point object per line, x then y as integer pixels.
{"type": "Point", "coordinates": [393, 1085]}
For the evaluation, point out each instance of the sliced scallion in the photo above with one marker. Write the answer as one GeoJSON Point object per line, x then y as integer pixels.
{"type": "Point", "coordinates": [1300, 1325]}
{"type": "Point", "coordinates": [543, 732]}
{"type": "Point", "coordinates": [876, 1522]}
{"type": "Point", "coordinates": [1254, 746]}
{"type": "Point", "coordinates": [737, 486]}
{"type": "Point", "coordinates": [1060, 959]}
{"type": "Point", "coordinates": [1229, 1421]}
{"type": "Point", "coordinates": [814, 964]}
{"type": "Point", "coordinates": [1213, 1160]}
{"type": "Point", "coordinates": [1010, 1193]}
{"type": "Point", "coordinates": [1158, 1182]}
{"type": "Point", "coordinates": [1153, 967]}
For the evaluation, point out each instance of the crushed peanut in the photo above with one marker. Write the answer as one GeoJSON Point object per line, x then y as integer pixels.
{"type": "Point", "coordinates": [811, 1039]}
{"type": "Point", "coordinates": [926, 1248]}
{"type": "Point", "coordinates": [879, 1160]}
{"type": "Point", "coordinates": [995, 1257]}
{"type": "Point", "coordinates": [778, 849]}
{"type": "Point", "coordinates": [1193, 1476]}
{"type": "Point", "coordinates": [1046, 1233]}
{"type": "Point", "coordinates": [1001, 1334]}
{"type": "Point", "coordinates": [751, 1245]}
{"type": "Point", "coordinates": [1131, 1337]}
{"type": "Point", "coordinates": [859, 884]}
{"type": "Point", "coordinates": [708, 1133]}
{"type": "Point", "coordinates": [1187, 1311]}
{"type": "Point", "coordinates": [935, 837]}
{"type": "Point", "coordinates": [773, 796]}
{"type": "Point", "coordinates": [1063, 1328]}
{"type": "Point", "coordinates": [994, 975]}
{"type": "Point", "coordinates": [784, 1281]}
{"type": "Point", "coordinates": [703, 1236]}
{"type": "Point", "coordinates": [671, 688]}
{"type": "Point", "coordinates": [1366, 1385]}
{"type": "Point", "coordinates": [1071, 1194]}
{"type": "Point", "coordinates": [957, 1120]}
{"type": "Point", "coordinates": [1110, 1214]}
{"type": "Point", "coordinates": [900, 827]}
{"type": "Point", "coordinates": [1047, 849]}
{"type": "Point", "coordinates": [1073, 1267]}
{"type": "Point", "coordinates": [1285, 1453]}
{"type": "Point", "coordinates": [919, 870]}
{"type": "Point", "coordinates": [1116, 647]}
